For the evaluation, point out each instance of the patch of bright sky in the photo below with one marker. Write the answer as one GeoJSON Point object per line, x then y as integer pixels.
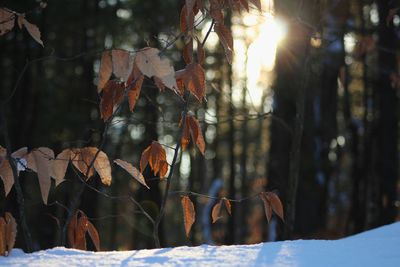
{"type": "Point", "coordinates": [256, 39]}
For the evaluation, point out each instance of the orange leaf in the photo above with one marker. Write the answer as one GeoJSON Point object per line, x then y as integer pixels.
{"type": "Point", "coordinates": [150, 64]}
{"type": "Point", "coordinates": [134, 85]}
{"type": "Point", "coordinates": [113, 93]}
{"type": "Point", "coordinates": [7, 21]}
{"type": "Point", "coordinates": [3, 241]}
{"type": "Point", "coordinates": [11, 231]}
{"type": "Point", "coordinates": [189, 214]}
{"type": "Point", "coordinates": [71, 230]}
{"type": "Point", "coordinates": [197, 135]}
{"type": "Point", "coordinates": [8, 233]}
{"type": "Point", "coordinates": [225, 36]}
{"type": "Point", "coordinates": [145, 158]}
{"type": "Point", "coordinates": [155, 156]}
{"type": "Point", "coordinates": [195, 81]}
{"type": "Point", "coordinates": [267, 206]}
{"type": "Point", "coordinates": [276, 204]}
{"type": "Point", "coordinates": [216, 211]}
{"type": "Point", "coordinates": [186, 133]}
{"type": "Point", "coordinates": [94, 235]}
{"type": "Point", "coordinates": [105, 70]}
{"type": "Point", "coordinates": [83, 158]}
{"type": "Point", "coordinates": [122, 63]}
{"type": "Point", "coordinates": [6, 174]}
{"type": "Point", "coordinates": [132, 171]}
{"type": "Point", "coordinates": [60, 165]}
{"type": "Point", "coordinates": [228, 206]}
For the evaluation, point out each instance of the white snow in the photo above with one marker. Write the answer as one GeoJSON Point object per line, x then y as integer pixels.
{"type": "Point", "coordinates": [378, 247]}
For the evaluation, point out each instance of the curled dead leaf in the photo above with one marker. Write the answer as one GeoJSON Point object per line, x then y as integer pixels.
{"type": "Point", "coordinates": [132, 171]}
{"type": "Point", "coordinates": [189, 214]}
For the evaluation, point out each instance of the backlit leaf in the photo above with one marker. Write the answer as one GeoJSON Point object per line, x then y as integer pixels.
{"type": "Point", "coordinates": [8, 233]}
{"type": "Point", "coordinates": [122, 63]}
{"type": "Point", "coordinates": [40, 160]}
{"type": "Point", "coordinates": [216, 212]}
{"type": "Point", "coordinates": [11, 231]}
{"type": "Point", "coordinates": [113, 94]}
{"type": "Point", "coordinates": [94, 235]}
{"type": "Point", "coordinates": [189, 214]}
{"type": "Point", "coordinates": [7, 21]}
{"type": "Point", "coordinates": [276, 204]}
{"type": "Point", "coordinates": [155, 156]}
{"type": "Point", "coordinates": [192, 126]}
{"type": "Point", "coordinates": [60, 165]}
{"type": "Point", "coordinates": [267, 205]}
{"type": "Point", "coordinates": [132, 171]}
{"type": "Point", "coordinates": [33, 30]}
{"type": "Point", "coordinates": [6, 175]}
{"type": "Point", "coordinates": [134, 85]}
{"type": "Point", "coordinates": [225, 36]}
{"type": "Point", "coordinates": [228, 206]}
{"type": "Point", "coordinates": [105, 70]}
{"type": "Point", "coordinates": [194, 79]}
{"type": "Point", "coordinates": [150, 64]}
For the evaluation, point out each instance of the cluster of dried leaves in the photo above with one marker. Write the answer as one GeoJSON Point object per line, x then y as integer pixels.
{"type": "Point", "coordinates": [7, 22]}
{"type": "Point", "coordinates": [270, 200]}
{"type": "Point", "coordinates": [87, 160]}
{"type": "Point", "coordinates": [77, 229]}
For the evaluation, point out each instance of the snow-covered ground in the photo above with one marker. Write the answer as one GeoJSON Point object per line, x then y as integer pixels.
{"type": "Point", "coordinates": [378, 247]}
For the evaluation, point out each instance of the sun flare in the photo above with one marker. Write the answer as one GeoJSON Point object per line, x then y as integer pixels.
{"type": "Point", "coordinates": [256, 41]}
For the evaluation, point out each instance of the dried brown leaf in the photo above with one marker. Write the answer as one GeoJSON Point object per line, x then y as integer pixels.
{"type": "Point", "coordinates": [6, 174]}
{"type": "Point", "coordinates": [276, 204]}
{"type": "Point", "coordinates": [228, 206]}
{"type": "Point", "coordinates": [195, 80]}
{"type": "Point", "coordinates": [225, 36]}
{"type": "Point", "coordinates": [134, 85]}
{"type": "Point", "coordinates": [71, 230]}
{"type": "Point", "coordinates": [41, 160]}
{"type": "Point", "coordinates": [3, 241]}
{"type": "Point", "coordinates": [113, 93]}
{"type": "Point", "coordinates": [150, 64]}
{"type": "Point", "coordinates": [60, 165]}
{"type": "Point", "coordinates": [102, 166]}
{"type": "Point", "coordinates": [105, 70]}
{"type": "Point", "coordinates": [197, 135]}
{"type": "Point", "coordinates": [132, 171]}
{"type": "Point", "coordinates": [188, 51]}
{"type": "Point", "coordinates": [122, 64]}
{"type": "Point", "coordinates": [7, 21]}
{"type": "Point", "coordinates": [155, 156]}
{"type": "Point", "coordinates": [216, 212]}
{"type": "Point", "coordinates": [33, 30]}
{"type": "Point", "coordinates": [267, 206]}
{"type": "Point", "coordinates": [94, 235]}
{"type": "Point", "coordinates": [11, 232]}
{"type": "Point", "coordinates": [189, 214]}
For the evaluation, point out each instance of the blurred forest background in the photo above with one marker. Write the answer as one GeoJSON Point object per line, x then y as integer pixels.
{"type": "Point", "coordinates": [313, 90]}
